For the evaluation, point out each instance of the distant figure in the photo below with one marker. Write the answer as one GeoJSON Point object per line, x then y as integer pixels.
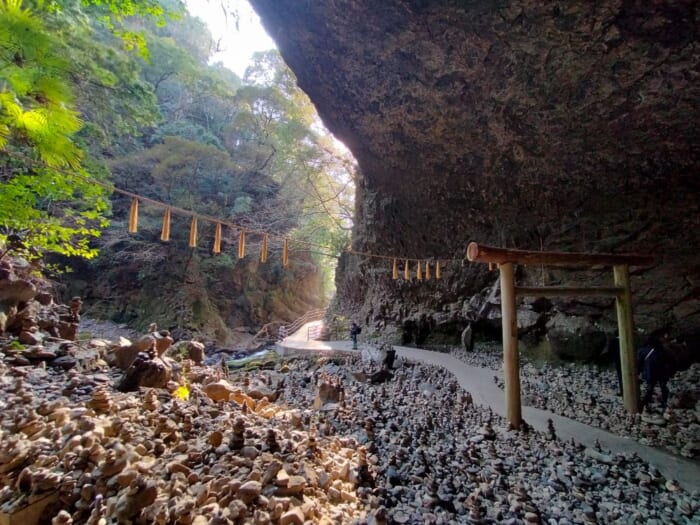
{"type": "Point", "coordinates": [468, 338]}
{"type": "Point", "coordinates": [354, 332]}
{"type": "Point", "coordinates": [654, 365]}
{"type": "Point", "coordinates": [282, 334]}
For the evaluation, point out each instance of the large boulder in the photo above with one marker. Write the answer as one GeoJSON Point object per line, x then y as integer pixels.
{"type": "Point", "coordinates": [529, 319]}
{"type": "Point", "coordinates": [575, 338]}
{"type": "Point", "coordinates": [163, 342]}
{"type": "Point", "coordinates": [327, 393]}
{"type": "Point", "coordinates": [146, 371]}
{"type": "Point", "coordinates": [193, 350]}
{"type": "Point", "coordinates": [220, 390]}
{"type": "Point", "coordinates": [28, 311]}
{"type": "Point", "coordinates": [124, 353]}
{"type": "Point", "coordinates": [16, 291]}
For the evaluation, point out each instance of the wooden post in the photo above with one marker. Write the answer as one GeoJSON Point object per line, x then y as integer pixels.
{"type": "Point", "coordinates": [625, 326]}
{"type": "Point", "coordinates": [507, 257]}
{"type": "Point", "coordinates": [491, 254]}
{"type": "Point", "coordinates": [511, 365]}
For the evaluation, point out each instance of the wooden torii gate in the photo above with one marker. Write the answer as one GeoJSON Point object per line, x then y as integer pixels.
{"type": "Point", "coordinates": [506, 258]}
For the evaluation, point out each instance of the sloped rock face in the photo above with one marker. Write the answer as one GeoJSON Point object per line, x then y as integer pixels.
{"type": "Point", "coordinates": [191, 294]}
{"type": "Point", "coordinates": [559, 126]}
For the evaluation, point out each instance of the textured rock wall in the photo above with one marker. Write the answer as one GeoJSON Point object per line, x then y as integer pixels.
{"type": "Point", "coordinates": [192, 294]}
{"type": "Point", "coordinates": [529, 124]}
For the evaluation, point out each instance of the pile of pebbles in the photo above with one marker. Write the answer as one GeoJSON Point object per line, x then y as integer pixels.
{"type": "Point", "coordinates": [589, 394]}
{"type": "Point", "coordinates": [212, 449]}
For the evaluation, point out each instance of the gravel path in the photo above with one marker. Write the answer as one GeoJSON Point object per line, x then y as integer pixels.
{"type": "Point", "coordinates": [588, 394]}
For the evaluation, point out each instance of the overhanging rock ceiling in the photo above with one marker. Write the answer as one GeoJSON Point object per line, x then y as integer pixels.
{"type": "Point", "coordinates": [563, 125]}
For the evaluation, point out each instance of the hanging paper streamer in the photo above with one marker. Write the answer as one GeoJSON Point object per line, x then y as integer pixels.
{"type": "Point", "coordinates": [165, 236]}
{"type": "Point", "coordinates": [406, 271]}
{"type": "Point", "coordinates": [263, 250]}
{"type": "Point", "coordinates": [285, 253]}
{"type": "Point", "coordinates": [216, 250]}
{"type": "Point", "coordinates": [165, 232]}
{"type": "Point", "coordinates": [134, 216]}
{"type": "Point", "coordinates": [193, 232]}
{"type": "Point", "coordinates": [241, 245]}
{"type": "Point", "coordinates": [419, 273]}
{"type": "Point", "coordinates": [395, 271]}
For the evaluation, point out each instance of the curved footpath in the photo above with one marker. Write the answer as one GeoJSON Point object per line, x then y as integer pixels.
{"type": "Point", "coordinates": [479, 383]}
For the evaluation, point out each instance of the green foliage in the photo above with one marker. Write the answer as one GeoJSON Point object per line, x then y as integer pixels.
{"type": "Point", "coordinates": [16, 346]}
{"type": "Point", "coordinates": [243, 204]}
{"type": "Point", "coordinates": [187, 130]}
{"type": "Point", "coordinates": [34, 96]}
{"type": "Point", "coordinates": [278, 131]}
{"type": "Point", "coordinates": [122, 8]}
{"type": "Point", "coordinates": [184, 173]}
{"type": "Point", "coordinates": [217, 263]}
{"type": "Point", "coordinates": [114, 13]}
{"type": "Point", "coordinates": [175, 129]}
{"type": "Point", "coordinates": [115, 102]}
{"type": "Point", "coordinates": [49, 201]}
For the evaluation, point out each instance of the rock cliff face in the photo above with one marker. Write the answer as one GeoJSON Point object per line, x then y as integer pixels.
{"type": "Point", "coordinates": [538, 125]}
{"type": "Point", "coordinates": [138, 280]}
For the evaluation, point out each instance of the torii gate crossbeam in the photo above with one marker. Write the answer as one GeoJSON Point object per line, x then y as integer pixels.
{"type": "Point", "coordinates": [507, 258]}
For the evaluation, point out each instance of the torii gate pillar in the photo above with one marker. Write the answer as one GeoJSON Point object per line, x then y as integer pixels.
{"type": "Point", "coordinates": [625, 325]}
{"type": "Point", "coordinates": [506, 258]}
{"type": "Point", "coordinates": [511, 360]}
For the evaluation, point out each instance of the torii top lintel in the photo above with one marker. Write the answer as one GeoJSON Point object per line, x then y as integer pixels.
{"type": "Point", "coordinates": [491, 254]}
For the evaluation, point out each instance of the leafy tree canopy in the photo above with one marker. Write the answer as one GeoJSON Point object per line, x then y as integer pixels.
{"type": "Point", "coordinates": [176, 128]}
{"type": "Point", "coordinates": [42, 167]}
{"type": "Point", "coordinates": [50, 50]}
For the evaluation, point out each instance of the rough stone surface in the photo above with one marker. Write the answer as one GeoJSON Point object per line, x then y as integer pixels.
{"type": "Point", "coordinates": [27, 309]}
{"type": "Point", "coordinates": [570, 337]}
{"type": "Point", "coordinates": [416, 450]}
{"type": "Point", "coordinates": [123, 356]}
{"type": "Point", "coordinates": [219, 391]}
{"type": "Point", "coordinates": [193, 350]}
{"type": "Point", "coordinates": [146, 371]}
{"type": "Point", "coordinates": [292, 517]}
{"type": "Point", "coordinates": [15, 291]}
{"type": "Point", "coordinates": [524, 124]}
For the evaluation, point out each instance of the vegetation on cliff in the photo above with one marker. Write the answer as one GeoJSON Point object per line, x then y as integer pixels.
{"type": "Point", "coordinates": [106, 93]}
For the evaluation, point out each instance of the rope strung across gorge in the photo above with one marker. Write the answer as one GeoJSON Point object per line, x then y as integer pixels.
{"type": "Point", "coordinates": [422, 265]}
{"type": "Point", "coordinates": [165, 235]}
{"type": "Point", "coordinates": [399, 258]}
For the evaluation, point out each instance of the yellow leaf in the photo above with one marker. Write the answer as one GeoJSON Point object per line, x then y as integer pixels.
{"type": "Point", "coordinates": [182, 392]}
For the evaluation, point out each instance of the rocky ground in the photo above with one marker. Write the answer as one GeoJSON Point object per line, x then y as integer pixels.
{"type": "Point", "coordinates": [588, 394]}
{"type": "Point", "coordinates": [94, 329]}
{"type": "Point", "coordinates": [309, 440]}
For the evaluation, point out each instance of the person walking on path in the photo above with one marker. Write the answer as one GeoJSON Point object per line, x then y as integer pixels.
{"type": "Point", "coordinates": [654, 366]}
{"type": "Point", "coordinates": [354, 332]}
